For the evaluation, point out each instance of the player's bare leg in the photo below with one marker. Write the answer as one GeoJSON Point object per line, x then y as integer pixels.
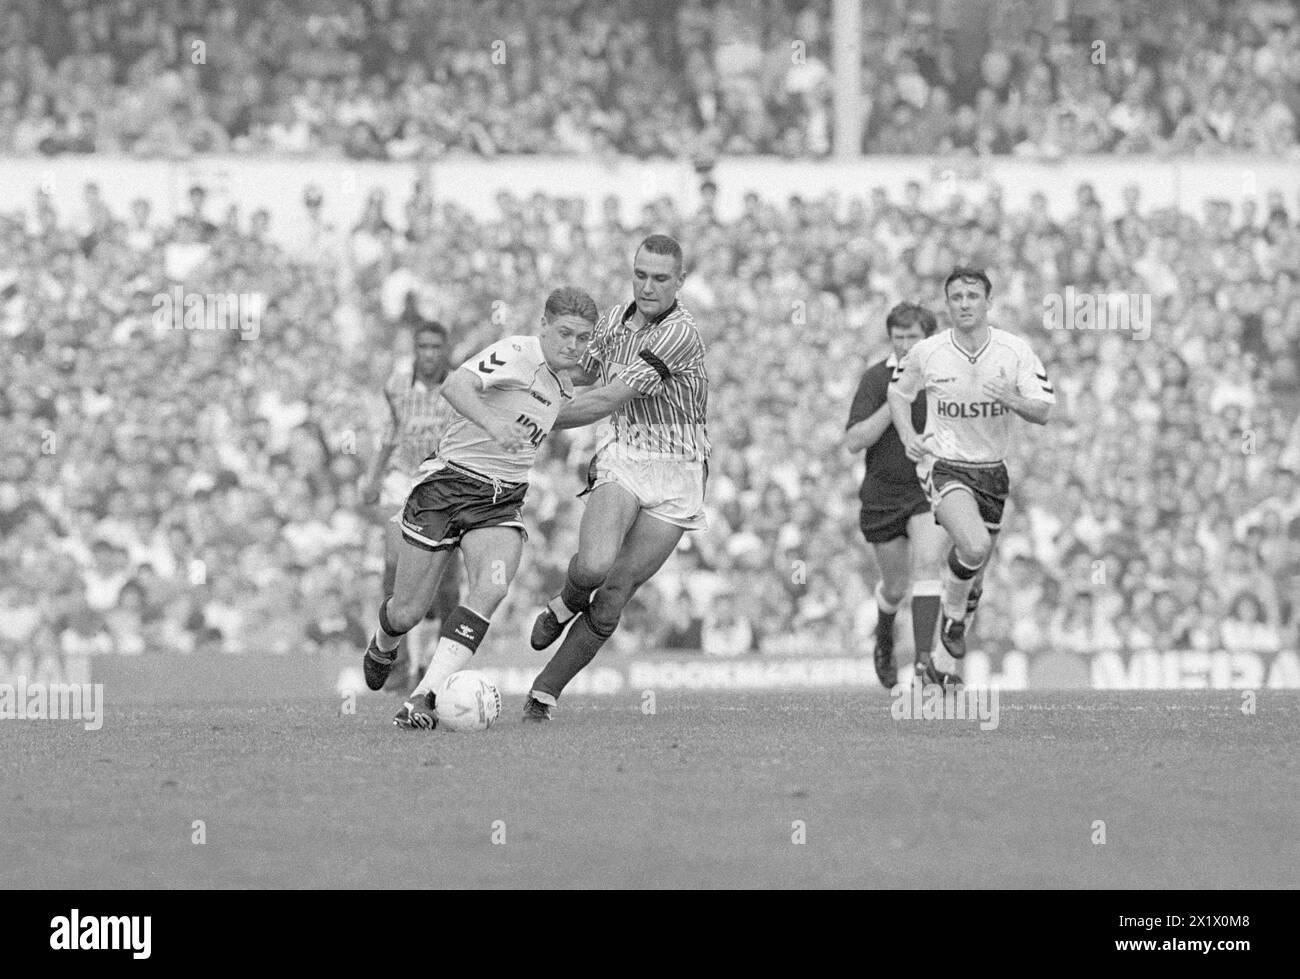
{"type": "Point", "coordinates": [929, 548]}
{"type": "Point", "coordinates": [414, 587]}
{"type": "Point", "coordinates": [393, 547]}
{"type": "Point", "coordinates": [959, 515]}
{"type": "Point", "coordinates": [894, 559]}
{"type": "Point", "coordinates": [647, 546]}
{"type": "Point", "coordinates": [448, 597]}
{"type": "Point", "coordinates": [977, 583]}
{"type": "Point", "coordinates": [423, 638]}
{"type": "Point", "coordinates": [609, 514]}
{"type": "Point", "coordinates": [491, 559]}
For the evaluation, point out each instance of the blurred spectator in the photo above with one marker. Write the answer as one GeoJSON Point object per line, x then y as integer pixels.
{"type": "Point", "coordinates": [229, 519]}
{"type": "Point", "coordinates": [1246, 627]}
{"type": "Point", "coordinates": [394, 80]}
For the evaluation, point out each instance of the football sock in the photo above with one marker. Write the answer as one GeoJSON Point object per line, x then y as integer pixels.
{"type": "Point", "coordinates": [386, 637]}
{"type": "Point", "coordinates": [957, 579]}
{"type": "Point", "coordinates": [885, 613]}
{"type": "Point", "coordinates": [574, 597]}
{"type": "Point", "coordinates": [578, 649]}
{"type": "Point", "coordinates": [561, 608]}
{"type": "Point", "coordinates": [925, 614]}
{"type": "Point", "coordinates": [461, 635]}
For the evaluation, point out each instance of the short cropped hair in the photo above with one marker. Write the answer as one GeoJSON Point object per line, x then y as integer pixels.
{"type": "Point", "coordinates": [960, 272]}
{"type": "Point", "coordinates": [663, 245]}
{"type": "Point", "coordinates": [429, 326]}
{"type": "Point", "coordinates": [571, 301]}
{"type": "Point", "coordinates": [906, 315]}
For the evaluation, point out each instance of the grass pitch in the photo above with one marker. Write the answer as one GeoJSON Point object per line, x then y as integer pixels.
{"type": "Point", "coordinates": [711, 790]}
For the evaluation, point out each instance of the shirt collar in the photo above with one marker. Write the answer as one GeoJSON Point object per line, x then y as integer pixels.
{"type": "Point", "coordinates": [631, 309]}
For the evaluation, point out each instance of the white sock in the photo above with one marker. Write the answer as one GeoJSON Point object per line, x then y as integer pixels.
{"type": "Point", "coordinates": [562, 611]}
{"type": "Point", "coordinates": [541, 697]}
{"type": "Point", "coordinates": [955, 591]}
{"type": "Point", "coordinates": [450, 657]}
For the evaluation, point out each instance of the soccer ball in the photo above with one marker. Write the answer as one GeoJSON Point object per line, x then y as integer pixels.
{"type": "Point", "coordinates": [468, 701]}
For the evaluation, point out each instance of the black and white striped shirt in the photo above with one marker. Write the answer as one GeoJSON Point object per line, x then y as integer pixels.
{"type": "Point", "coordinates": [664, 362]}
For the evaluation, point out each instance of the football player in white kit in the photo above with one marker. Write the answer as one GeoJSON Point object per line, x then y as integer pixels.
{"type": "Point", "coordinates": [976, 377]}
{"type": "Point", "coordinates": [471, 490]}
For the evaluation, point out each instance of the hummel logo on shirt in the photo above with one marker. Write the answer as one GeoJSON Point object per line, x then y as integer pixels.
{"type": "Point", "coordinates": [464, 631]}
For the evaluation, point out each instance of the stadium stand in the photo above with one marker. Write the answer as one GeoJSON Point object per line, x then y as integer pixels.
{"type": "Point", "coordinates": [230, 520]}
{"type": "Point", "coordinates": [406, 79]}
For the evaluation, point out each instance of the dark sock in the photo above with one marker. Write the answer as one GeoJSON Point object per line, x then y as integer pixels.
{"type": "Point", "coordinates": [575, 596]}
{"type": "Point", "coordinates": [885, 623]}
{"type": "Point", "coordinates": [466, 627]}
{"type": "Point", "coordinates": [386, 637]}
{"type": "Point", "coordinates": [578, 649]}
{"type": "Point", "coordinates": [925, 613]}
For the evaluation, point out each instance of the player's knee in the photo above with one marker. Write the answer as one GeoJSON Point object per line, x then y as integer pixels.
{"type": "Point", "coordinates": [893, 590]}
{"type": "Point", "coordinates": [590, 569]}
{"type": "Point", "coordinates": [973, 552]}
{"type": "Point", "coordinates": [402, 616]}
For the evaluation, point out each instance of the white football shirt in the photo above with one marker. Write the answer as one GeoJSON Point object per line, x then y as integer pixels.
{"type": "Point", "coordinates": [520, 385]}
{"type": "Point", "coordinates": [961, 423]}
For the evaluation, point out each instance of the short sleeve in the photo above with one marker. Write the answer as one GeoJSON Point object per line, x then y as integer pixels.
{"type": "Point", "coordinates": [594, 355]}
{"type": "Point", "coordinates": [1031, 381]}
{"type": "Point", "coordinates": [907, 379]}
{"type": "Point", "coordinates": [671, 352]}
{"type": "Point", "coordinates": [870, 396]}
{"type": "Point", "coordinates": [505, 361]}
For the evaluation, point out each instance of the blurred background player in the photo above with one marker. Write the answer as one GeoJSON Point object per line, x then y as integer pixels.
{"type": "Point", "coordinates": [895, 516]}
{"type": "Point", "coordinates": [647, 478]}
{"type": "Point", "coordinates": [975, 377]}
{"type": "Point", "coordinates": [471, 493]}
{"type": "Point", "coordinates": [419, 417]}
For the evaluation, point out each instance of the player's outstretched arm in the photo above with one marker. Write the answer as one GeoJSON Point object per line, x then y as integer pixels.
{"type": "Point", "coordinates": [867, 432]}
{"type": "Point", "coordinates": [463, 390]}
{"type": "Point", "coordinates": [593, 405]}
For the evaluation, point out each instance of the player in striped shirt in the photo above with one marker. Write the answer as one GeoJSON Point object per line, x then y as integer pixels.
{"type": "Point", "coordinates": [646, 481]}
{"type": "Point", "coordinates": [975, 377]}
{"type": "Point", "coordinates": [419, 416]}
{"type": "Point", "coordinates": [471, 492]}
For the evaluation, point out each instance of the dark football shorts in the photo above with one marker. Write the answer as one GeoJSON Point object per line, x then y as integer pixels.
{"type": "Point", "coordinates": [886, 509]}
{"type": "Point", "coordinates": [450, 502]}
{"type": "Point", "coordinates": [986, 481]}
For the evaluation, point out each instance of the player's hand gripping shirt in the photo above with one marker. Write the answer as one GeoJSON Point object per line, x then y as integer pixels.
{"type": "Point", "coordinates": [520, 386]}
{"type": "Point", "coordinates": [664, 362]}
{"type": "Point", "coordinates": [962, 424]}
{"type": "Point", "coordinates": [420, 416]}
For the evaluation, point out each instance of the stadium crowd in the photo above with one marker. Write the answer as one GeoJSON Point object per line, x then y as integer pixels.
{"type": "Point", "coordinates": [197, 491]}
{"type": "Point", "coordinates": [404, 79]}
